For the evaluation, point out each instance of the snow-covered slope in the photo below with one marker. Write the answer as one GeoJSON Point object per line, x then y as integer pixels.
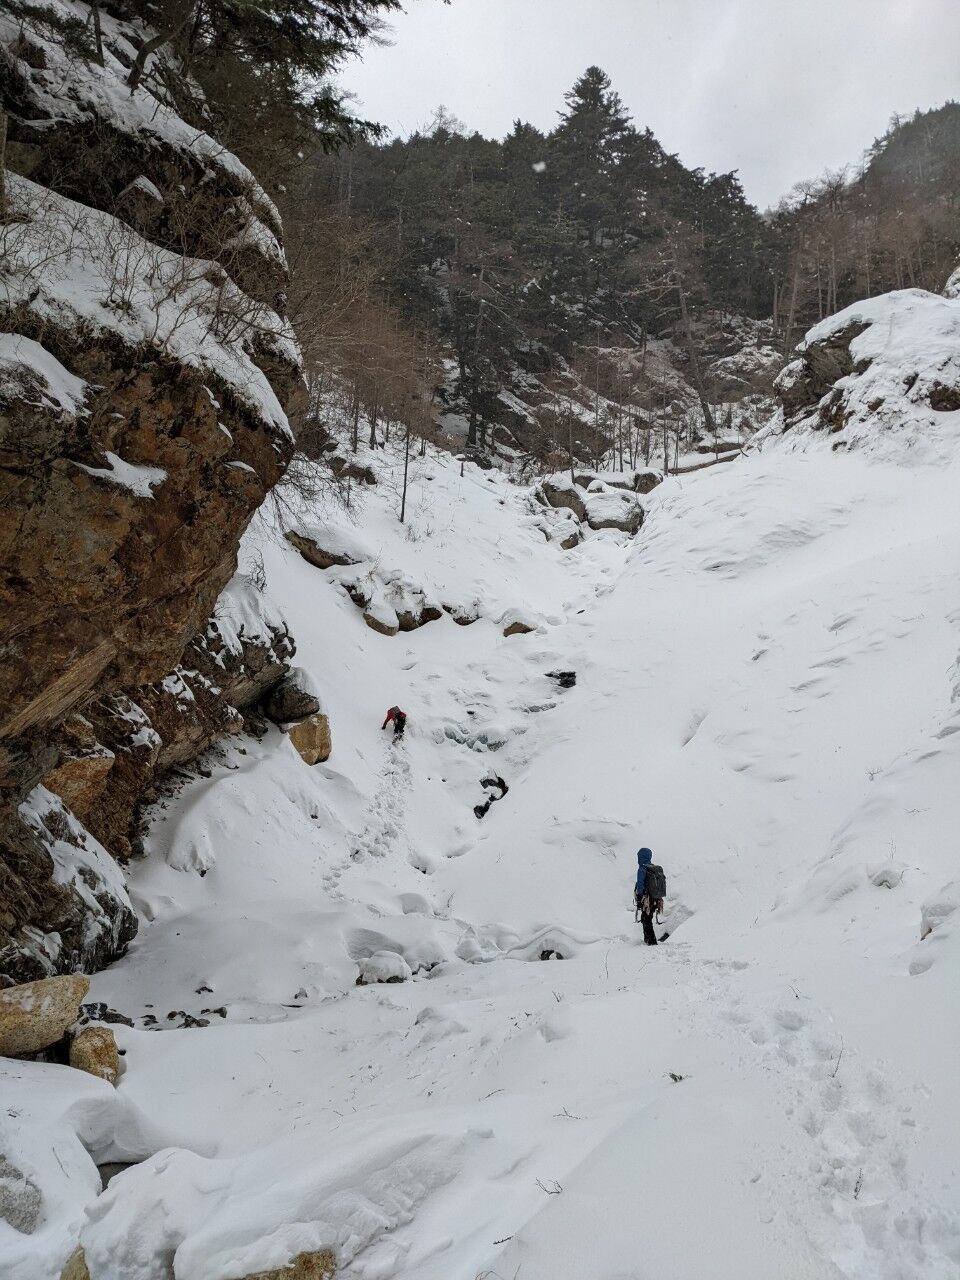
{"type": "Point", "coordinates": [767, 693]}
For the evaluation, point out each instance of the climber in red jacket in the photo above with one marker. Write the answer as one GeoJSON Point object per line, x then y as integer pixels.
{"type": "Point", "coordinates": [398, 719]}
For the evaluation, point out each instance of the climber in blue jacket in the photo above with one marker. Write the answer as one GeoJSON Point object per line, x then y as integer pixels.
{"type": "Point", "coordinates": [648, 894]}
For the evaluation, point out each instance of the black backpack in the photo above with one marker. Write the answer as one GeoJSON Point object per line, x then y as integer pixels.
{"type": "Point", "coordinates": [655, 885]}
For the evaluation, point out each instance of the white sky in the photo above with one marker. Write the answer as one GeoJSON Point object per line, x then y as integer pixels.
{"type": "Point", "coordinates": [778, 89]}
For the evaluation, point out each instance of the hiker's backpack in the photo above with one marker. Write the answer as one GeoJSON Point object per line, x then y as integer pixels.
{"type": "Point", "coordinates": [655, 885]}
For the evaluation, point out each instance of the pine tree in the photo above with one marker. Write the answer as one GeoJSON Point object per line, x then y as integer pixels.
{"type": "Point", "coordinates": [587, 151]}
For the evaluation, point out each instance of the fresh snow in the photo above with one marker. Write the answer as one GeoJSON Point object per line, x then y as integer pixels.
{"type": "Point", "coordinates": [139, 478]}
{"type": "Point", "coordinates": [767, 694]}
{"type": "Point", "coordinates": [28, 370]}
{"type": "Point", "coordinates": [79, 268]}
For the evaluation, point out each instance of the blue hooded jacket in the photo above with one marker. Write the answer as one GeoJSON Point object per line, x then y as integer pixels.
{"type": "Point", "coordinates": [644, 858]}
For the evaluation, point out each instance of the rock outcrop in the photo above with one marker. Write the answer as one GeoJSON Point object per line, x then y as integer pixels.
{"type": "Point", "coordinates": [35, 1015]}
{"type": "Point", "coordinates": [145, 374]}
{"type": "Point", "coordinates": [883, 374]}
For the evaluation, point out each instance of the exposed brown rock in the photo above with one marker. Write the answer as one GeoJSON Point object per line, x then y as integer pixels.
{"type": "Point", "coordinates": [82, 771]}
{"type": "Point", "coordinates": [517, 628]}
{"type": "Point", "coordinates": [384, 627]}
{"type": "Point", "coordinates": [35, 1015]}
{"type": "Point", "coordinates": [314, 553]}
{"type": "Point", "coordinates": [76, 1266]}
{"type": "Point", "coordinates": [317, 1265]}
{"type": "Point", "coordinates": [94, 1050]}
{"type": "Point", "coordinates": [312, 738]}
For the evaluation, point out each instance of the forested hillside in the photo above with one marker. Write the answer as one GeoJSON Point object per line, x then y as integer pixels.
{"type": "Point", "coordinates": [586, 275]}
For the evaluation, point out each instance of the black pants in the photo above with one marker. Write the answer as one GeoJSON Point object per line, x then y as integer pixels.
{"type": "Point", "coordinates": [646, 919]}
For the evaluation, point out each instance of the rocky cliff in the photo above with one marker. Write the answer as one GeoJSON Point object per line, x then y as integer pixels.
{"type": "Point", "coordinates": [146, 371]}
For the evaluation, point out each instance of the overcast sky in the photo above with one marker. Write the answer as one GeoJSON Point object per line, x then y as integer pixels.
{"type": "Point", "coordinates": [778, 89]}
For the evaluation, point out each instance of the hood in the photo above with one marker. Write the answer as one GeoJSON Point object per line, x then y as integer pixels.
{"type": "Point", "coordinates": [644, 857]}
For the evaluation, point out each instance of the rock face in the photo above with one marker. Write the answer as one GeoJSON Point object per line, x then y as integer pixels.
{"type": "Point", "coordinates": [145, 374]}
{"type": "Point", "coordinates": [35, 1015]}
{"type": "Point", "coordinates": [881, 375]}
{"type": "Point", "coordinates": [94, 1050]}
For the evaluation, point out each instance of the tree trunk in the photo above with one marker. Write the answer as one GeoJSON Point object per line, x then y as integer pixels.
{"type": "Point", "coordinates": [3, 166]}
{"type": "Point", "coordinates": [406, 468]}
{"type": "Point", "coordinates": [151, 45]}
{"type": "Point", "coordinates": [694, 361]}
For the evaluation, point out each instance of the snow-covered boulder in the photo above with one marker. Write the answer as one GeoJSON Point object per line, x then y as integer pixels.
{"type": "Point", "coordinates": [608, 508]}
{"type": "Point", "coordinates": [952, 288]}
{"type": "Point", "coordinates": [327, 546]}
{"type": "Point", "coordinates": [517, 622]}
{"type": "Point", "coordinates": [383, 966]}
{"type": "Point", "coordinates": [560, 490]}
{"type": "Point", "coordinates": [595, 501]}
{"type": "Point", "coordinates": [391, 601]}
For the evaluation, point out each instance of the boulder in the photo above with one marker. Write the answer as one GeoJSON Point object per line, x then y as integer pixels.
{"type": "Point", "coordinates": [560, 491]}
{"type": "Point", "coordinates": [94, 1050]}
{"type": "Point", "coordinates": [383, 966]}
{"type": "Point", "coordinates": [647, 480]}
{"type": "Point", "coordinates": [35, 1015]}
{"type": "Point", "coordinates": [515, 622]}
{"type": "Point", "coordinates": [312, 738]}
{"type": "Point", "coordinates": [383, 620]}
{"type": "Point", "coordinates": [325, 553]}
{"type": "Point", "coordinates": [294, 698]}
{"type": "Point", "coordinates": [571, 540]}
{"type": "Point", "coordinates": [614, 509]}
{"type": "Point", "coordinates": [20, 1200]}
{"type": "Point", "coordinates": [317, 1265]}
{"type": "Point", "coordinates": [462, 614]}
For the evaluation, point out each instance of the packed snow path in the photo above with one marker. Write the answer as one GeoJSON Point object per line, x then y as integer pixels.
{"type": "Point", "coordinates": [766, 696]}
